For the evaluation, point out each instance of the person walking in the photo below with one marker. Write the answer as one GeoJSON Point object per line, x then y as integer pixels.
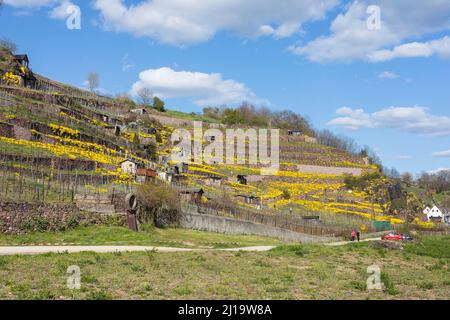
{"type": "Point", "coordinates": [353, 235]}
{"type": "Point", "coordinates": [358, 235]}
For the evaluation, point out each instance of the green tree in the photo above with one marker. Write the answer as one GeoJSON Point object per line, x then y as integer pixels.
{"type": "Point", "coordinates": [150, 150]}
{"type": "Point", "coordinates": [158, 104]}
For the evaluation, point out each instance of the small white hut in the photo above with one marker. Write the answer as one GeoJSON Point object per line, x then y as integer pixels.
{"type": "Point", "coordinates": [128, 167]}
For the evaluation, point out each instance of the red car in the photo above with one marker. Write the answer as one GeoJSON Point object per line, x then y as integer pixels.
{"type": "Point", "coordinates": [392, 236]}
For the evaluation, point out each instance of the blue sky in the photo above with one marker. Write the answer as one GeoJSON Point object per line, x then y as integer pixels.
{"type": "Point", "coordinates": [386, 85]}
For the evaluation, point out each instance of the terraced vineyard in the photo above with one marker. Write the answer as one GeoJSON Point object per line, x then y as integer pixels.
{"type": "Point", "coordinates": [56, 140]}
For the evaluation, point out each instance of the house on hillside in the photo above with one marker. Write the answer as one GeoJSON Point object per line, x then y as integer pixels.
{"type": "Point", "coordinates": [139, 112]}
{"type": "Point", "coordinates": [129, 167]}
{"type": "Point", "coordinates": [434, 214]}
{"type": "Point", "coordinates": [166, 176]}
{"type": "Point", "coordinates": [214, 180]}
{"type": "Point", "coordinates": [447, 218]}
{"type": "Point", "coordinates": [192, 194]}
{"type": "Point", "coordinates": [149, 130]}
{"type": "Point", "coordinates": [22, 70]}
{"type": "Point", "coordinates": [145, 175]}
{"type": "Point", "coordinates": [295, 133]}
{"type": "Point", "coordinates": [249, 199]}
{"type": "Point", "coordinates": [179, 168]}
{"type": "Point", "coordinates": [22, 59]}
{"type": "Point", "coordinates": [210, 138]}
{"type": "Point", "coordinates": [242, 179]}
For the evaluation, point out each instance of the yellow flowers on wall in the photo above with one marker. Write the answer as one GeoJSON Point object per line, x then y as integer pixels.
{"type": "Point", "coordinates": [63, 131]}
{"type": "Point", "coordinates": [63, 114]}
{"type": "Point", "coordinates": [70, 151]}
{"type": "Point", "coordinates": [11, 79]}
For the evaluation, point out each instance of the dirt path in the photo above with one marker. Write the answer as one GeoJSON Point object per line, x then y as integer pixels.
{"type": "Point", "coordinates": [35, 250]}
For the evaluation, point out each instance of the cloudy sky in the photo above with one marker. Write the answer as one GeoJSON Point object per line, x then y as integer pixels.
{"type": "Point", "coordinates": [384, 82]}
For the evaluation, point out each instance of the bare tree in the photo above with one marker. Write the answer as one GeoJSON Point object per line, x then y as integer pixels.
{"type": "Point", "coordinates": [8, 44]}
{"type": "Point", "coordinates": [408, 178]}
{"type": "Point", "coordinates": [146, 95]}
{"type": "Point", "coordinates": [93, 81]}
{"type": "Point", "coordinates": [446, 203]}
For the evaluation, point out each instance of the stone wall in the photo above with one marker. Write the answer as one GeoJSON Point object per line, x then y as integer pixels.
{"type": "Point", "coordinates": [6, 130]}
{"type": "Point", "coordinates": [225, 225]}
{"type": "Point", "coordinates": [307, 169]}
{"type": "Point", "coordinates": [22, 133]}
{"type": "Point", "coordinates": [19, 218]}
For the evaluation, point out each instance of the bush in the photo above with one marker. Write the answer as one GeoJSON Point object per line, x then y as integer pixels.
{"type": "Point", "coordinates": [158, 204]}
{"type": "Point", "coordinates": [361, 183]}
{"type": "Point", "coordinates": [159, 105]}
{"type": "Point", "coordinates": [247, 114]}
{"type": "Point", "coordinates": [150, 151]}
{"type": "Point", "coordinates": [389, 287]}
{"type": "Point", "coordinates": [72, 223]}
{"type": "Point", "coordinates": [286, 195]}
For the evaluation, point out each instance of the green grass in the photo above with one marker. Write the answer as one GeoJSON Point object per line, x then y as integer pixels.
{"type": "Point", "coordinates": [24, 150]}
{"type": "Point", "coordinates": [289, 272]}
{"type": "Point", "coordinates": [187, 116]}
{"type": "Point", "coordinates": [150, 236]}
{"type": "Point", "coordinates": [431, 247]}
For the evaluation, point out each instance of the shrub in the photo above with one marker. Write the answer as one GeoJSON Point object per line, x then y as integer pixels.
{"type": "Point", "coordinates": [72, 223]}
{"type": "Point", "coordinates": [389, 287]}
{"type": "Point", "coordinates": [159, 105]}
{"type": "Point", "coordinates": [159, 204]}
{"type": "Point", "coordinates": [150, 150]}
{"type": "Point", "coordinates": [286, 195]}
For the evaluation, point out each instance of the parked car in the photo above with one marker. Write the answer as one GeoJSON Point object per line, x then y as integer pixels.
{"type": "Point", "coordinates": [407, 237]}
{"type": "Point", "coordinates": [392, 236]}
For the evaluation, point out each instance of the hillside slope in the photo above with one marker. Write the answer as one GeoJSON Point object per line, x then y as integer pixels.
{"type": "Point", "coordinates": [56, 140]}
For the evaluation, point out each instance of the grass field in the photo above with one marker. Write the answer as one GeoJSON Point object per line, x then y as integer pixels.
{"type": "Point", "coordinates": [149, 236]}
{"type": "Point", "coordinates": [421, 271]}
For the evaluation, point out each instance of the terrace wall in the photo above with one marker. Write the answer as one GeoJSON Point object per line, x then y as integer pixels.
{"type": "Point", "coordinates": [308, 169]}
{"type": "Point", "coordinates": [226, 225]}
{"type": "Point", "coordinates": [19, 218]}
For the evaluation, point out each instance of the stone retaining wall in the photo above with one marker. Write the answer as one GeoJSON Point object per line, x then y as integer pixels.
{"type": "Point", "coordinates": [19, 218]}
{"type": "Point", "coordinates": [308, 169]}
{"type": "Point", "coordinates": [225, 225]}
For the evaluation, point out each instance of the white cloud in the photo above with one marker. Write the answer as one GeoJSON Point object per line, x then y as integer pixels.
{"type": "Point", "coordinates": [204, 88]}
{"type": "Point", "coordinates": [410, 119]}
{"type": "Point", "coordinates": [194, 21]}
{"type": "Point", "coordinates": [439, 47]}
{"type": "Point", "coordinates": [29, 3]}
{"type": "Point", "coordinates": [350, 39]}
{"type": "Point", "coordinates": [62, 10]}
{"type": "Point", "coordinates": [388, 75]}
{"type": "Point", "coordinates": [442, 154]}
